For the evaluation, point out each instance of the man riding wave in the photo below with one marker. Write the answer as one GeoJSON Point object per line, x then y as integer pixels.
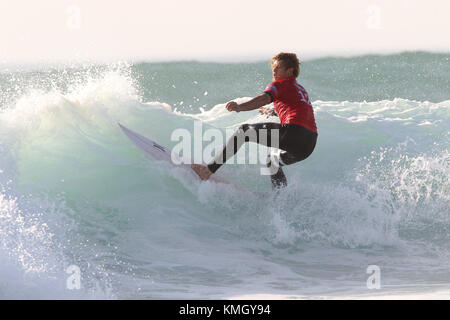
{"type": "Point", "coordinates": [297, 131]}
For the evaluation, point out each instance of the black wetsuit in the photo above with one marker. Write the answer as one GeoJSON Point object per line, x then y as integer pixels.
{"type": "Point", "coordinates": [295, 142]}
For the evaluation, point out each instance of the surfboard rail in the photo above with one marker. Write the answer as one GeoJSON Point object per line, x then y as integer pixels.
{"type": "Point", "coordinates": [156, 151]}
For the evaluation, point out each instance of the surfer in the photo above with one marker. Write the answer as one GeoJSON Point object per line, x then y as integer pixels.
{"type": "Point", "coordinates": [297, 129]}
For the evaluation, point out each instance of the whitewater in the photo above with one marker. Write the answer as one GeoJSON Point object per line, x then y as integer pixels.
{"type": "Point", "coordinates": [75, 194]}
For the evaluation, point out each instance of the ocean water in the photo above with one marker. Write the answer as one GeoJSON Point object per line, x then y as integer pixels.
{"type": "Point", "coordinates": [75, 194]}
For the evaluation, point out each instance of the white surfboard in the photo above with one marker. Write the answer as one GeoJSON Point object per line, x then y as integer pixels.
{"type": "Point", "coordinates": [156, 151]}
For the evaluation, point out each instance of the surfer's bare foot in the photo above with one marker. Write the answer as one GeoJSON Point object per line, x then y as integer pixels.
{"type": "Point", "coordinates": [202, 171]}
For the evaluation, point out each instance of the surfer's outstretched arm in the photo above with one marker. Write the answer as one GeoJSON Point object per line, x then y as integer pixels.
{"type": "Point", "coordinates": [253, 104]}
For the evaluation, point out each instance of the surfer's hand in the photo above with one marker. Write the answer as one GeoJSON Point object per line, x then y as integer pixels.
{"type": "Point", "coordinates": [266, 111]}
{"type": "Point", "coordinates": [232, 106]}
{"type": "Point", "coordinates": [262, 110]}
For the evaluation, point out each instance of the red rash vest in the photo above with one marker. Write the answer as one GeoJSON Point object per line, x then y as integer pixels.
{"type": "Point", "coordinates": [292, 103]}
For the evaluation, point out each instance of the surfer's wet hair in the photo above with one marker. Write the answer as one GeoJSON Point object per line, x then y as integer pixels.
{"type": "Point", "coordinates": [289, 60]}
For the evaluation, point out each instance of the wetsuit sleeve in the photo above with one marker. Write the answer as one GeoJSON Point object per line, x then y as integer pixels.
{"type": "Point", "coordinates": [272, 91]}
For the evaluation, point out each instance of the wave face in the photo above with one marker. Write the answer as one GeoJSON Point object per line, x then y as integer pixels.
{"type": "Point", "coordinates": [75, 192]}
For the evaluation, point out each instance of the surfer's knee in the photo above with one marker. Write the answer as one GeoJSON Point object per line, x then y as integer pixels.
{"type": "Point", "coordinates": [248, 132]}
{"type": "Point", "coordinates": [243, 128]}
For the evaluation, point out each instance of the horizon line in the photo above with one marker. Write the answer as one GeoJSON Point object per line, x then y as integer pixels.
{"type": "Point", "coordinates": [219, 59]}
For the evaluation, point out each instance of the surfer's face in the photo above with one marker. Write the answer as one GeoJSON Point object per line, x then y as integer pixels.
{"type": "Point", "coordinates": [279, 71]}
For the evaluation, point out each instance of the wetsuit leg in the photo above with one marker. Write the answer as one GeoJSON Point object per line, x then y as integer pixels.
{"type": "Point", "coordinates": [258, 132]}
{"type": "Point", "coordinates": [296, 143]}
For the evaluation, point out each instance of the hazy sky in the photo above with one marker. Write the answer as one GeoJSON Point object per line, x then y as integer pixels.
{"type": "Point", "coordinates": [52, 30]}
